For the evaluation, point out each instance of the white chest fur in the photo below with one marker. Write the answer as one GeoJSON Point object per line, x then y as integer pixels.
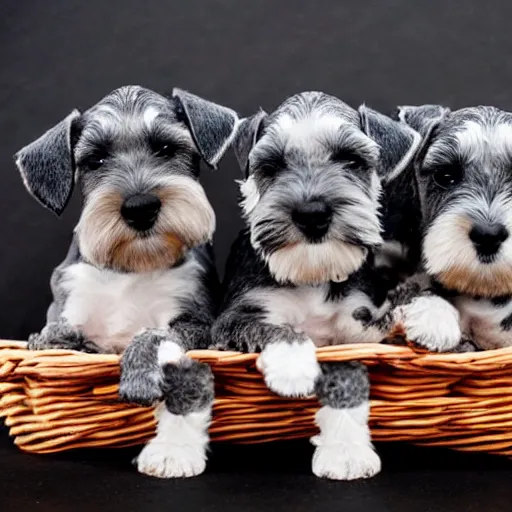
{"type": "Point", "coordinates": [481, 322]}
{"type": "Point", "coordinates": [110, 307]}
{"type": "Point", "coordinates": [325, 322]}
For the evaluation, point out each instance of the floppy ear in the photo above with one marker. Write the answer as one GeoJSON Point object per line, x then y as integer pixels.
{"type": "Point", "coordinates": [398, 143]}
{"type": "Point", "coordinates": [246, 138]}
{"type": "Point", "coordinates": [212, 126]}
{"type": "Point", "coordinates": [46, 165]}
{"type": "Point", "coordinates": [422, 118]}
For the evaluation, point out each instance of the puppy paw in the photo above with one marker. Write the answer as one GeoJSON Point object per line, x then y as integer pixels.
{"type": "Point", "coordinates": [345, 462]}
{"type": "Point", "coordinates": [163, 461]}
{"type": "Point", "coordinates": [290, 369]}
{"type": "Point", "coordinates": [63, 336]}
{"type": "Point", "coordinates": [431, 322]}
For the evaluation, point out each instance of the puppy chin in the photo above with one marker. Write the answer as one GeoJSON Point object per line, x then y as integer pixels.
{"type": "Point", "coordinates": [303, 263]}
{"type": "Point", "coordinates": [451, 258]}
{"type": "Point", "coordinates": [486, 281]}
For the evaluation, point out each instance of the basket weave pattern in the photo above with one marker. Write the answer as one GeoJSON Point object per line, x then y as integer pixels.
{"type": "Point", "coordinates": [59, 400]}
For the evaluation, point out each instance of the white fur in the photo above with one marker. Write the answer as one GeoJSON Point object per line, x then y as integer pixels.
{"type": "Point", "coordinates": [150, 114]}
{"type": "Point", "coordinates": [448, 249]}
{"type": "Point", "coordinates": [344, 449]}
{"type": "Point", "coordinates": [332, 260]}
{"type": "Point", "coordinates": [477, 142]}
{"type": "Point", "coordinates": [289, 369]}
{"type": "Point", "coordinates": [304, 131]}
{"type": "Point", "coordinates": [481, 322]}
{"type": "Point", "coordinates": [250, 194]}
{"type": "Point", "coordinates": [375, 189]}
{"type": "Point", "coordinates": [432, 322]}
{"type": "Point", "coordinates": [325, 322]}
{"type": "Point", "coordinates": [169, 352]}
{"type": "Point", "coordinates": [406, 159]}
{"type": "Point", "coordinates": [179, 448]}
{"type": "Point", "coordinates": [110, 307]}
{"type": "Point", "coordinates": [227, 143]}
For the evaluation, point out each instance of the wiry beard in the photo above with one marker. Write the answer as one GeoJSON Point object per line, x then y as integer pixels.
{"type": "Point", "coordinates": [451, 258]}
{"type": "Point", "coordinates": [302, 263]}
{"type": "Point", "coordinates": [186, 220]}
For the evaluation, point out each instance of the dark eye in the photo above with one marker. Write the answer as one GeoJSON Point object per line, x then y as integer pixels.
{"type": "Point", "coordinates": [447, 176]}
{"type": "Point", "coordinates": [268, 170]}
{"type": "Point", "coordinates": [349, 159]}
{"type": "Point", "coordinates": [166, 150]}
{"type": "Point", "coordinates": [94, 163]}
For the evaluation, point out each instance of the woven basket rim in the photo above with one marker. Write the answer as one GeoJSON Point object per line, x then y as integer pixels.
{"type": "Point", "coordinates": [356, 351]}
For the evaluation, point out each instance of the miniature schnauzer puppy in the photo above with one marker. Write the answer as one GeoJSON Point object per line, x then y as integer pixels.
{"type": "Point", "coordinates": [464, 197]}
{"type": "Point", "coordinates": [301, 275]}
{"type": "Point", "coordinates": [139, 278]}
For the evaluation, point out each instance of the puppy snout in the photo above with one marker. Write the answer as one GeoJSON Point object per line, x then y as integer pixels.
{"type": "Point", "coordinates": [487, 238]}
{"type": "Point", "coordinates": [140, 211]}
{"type": "Point", "coordinates": [313, 218]}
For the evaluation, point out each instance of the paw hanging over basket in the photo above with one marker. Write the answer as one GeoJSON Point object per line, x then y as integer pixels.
{"type": "Point", "coordinates": [58, 400]}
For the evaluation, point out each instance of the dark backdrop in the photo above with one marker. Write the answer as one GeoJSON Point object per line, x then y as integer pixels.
{"type": "Point", "coordinates": [60, 54]}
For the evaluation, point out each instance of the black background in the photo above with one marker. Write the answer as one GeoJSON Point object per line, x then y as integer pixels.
{"type": "Point", "coordinates": [60, 54]}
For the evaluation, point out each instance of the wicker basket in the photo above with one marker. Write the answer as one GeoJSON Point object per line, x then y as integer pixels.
{"type": "Point", "coordinates": [58, 400]}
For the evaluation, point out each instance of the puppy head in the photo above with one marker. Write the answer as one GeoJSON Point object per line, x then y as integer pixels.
{"type": "Point", "coordinates": [135, 156]}
{"type": "Point", "coordinates": [312, 179]}
{"type": "Point", "coordinates": [464, 176]}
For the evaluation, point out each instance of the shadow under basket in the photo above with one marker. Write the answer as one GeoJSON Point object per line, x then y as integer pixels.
{"type": "Point", "coordinates": [58, 400]}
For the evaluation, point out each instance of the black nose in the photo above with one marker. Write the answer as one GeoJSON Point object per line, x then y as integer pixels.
{"type": "Point", "coordinates": [313, 218]}
{"type": "Point", "coordinates": [141, 211]}
{"type": "Point", "coordinates": [487, 238]}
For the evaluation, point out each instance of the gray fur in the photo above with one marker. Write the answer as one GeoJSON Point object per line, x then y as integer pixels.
{"type": "Point", "coordinates": [463, 181]}
{"type": "Point", "coordinates": [343, 385]}
{"type": "Point", "coordinates": [61, 335]}
{"type": "Point", "coordinates": [244, 333]}
{"type": "Point", "coordinates": [246, 137]}
{"type": "Point", "coordinates": [141, 375]}
{"type": "Point", "coordinates": [58, 292]}
{"type": "Point", "coordinates": [423, 117]}
{"type": "Point", "coordinates": [135, 141]}
{"type": "Point", "coordinates": [313, 147]}
{"type": "Point", "coordinates": [188, 386]}
{"type": "Point", "coordinates": [397, 145]}
{"type": "Point", "coordinates": [211, 125]}
{"type": "Point", "coordinates": [320, 170]}
{"type": "Point", "coordinates": [46, 165]}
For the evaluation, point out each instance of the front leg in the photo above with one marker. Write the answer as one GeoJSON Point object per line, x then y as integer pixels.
{"type": "Point", "coordinates": [155, 368]}
{"type": "Point", "coordinates": [288, 357]}
{"type": "Point", "coordinates": [343, 447]}
{"type": "Point", "coordinates": [61, 335]}
{"type": "Point", "coordinates": [180, 446]}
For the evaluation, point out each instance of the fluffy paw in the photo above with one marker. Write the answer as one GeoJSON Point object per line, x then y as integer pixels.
{"type": "Point", "coordinates": [290, 369]}
{"type": "Point", "coordinates": [345, 462]}
{"type": "Point", "coordinates": [163, 461]}
{"type": "Point", "coordinates": [61, 335]}
{"type": "Point", "coordinates": [431, 322]}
